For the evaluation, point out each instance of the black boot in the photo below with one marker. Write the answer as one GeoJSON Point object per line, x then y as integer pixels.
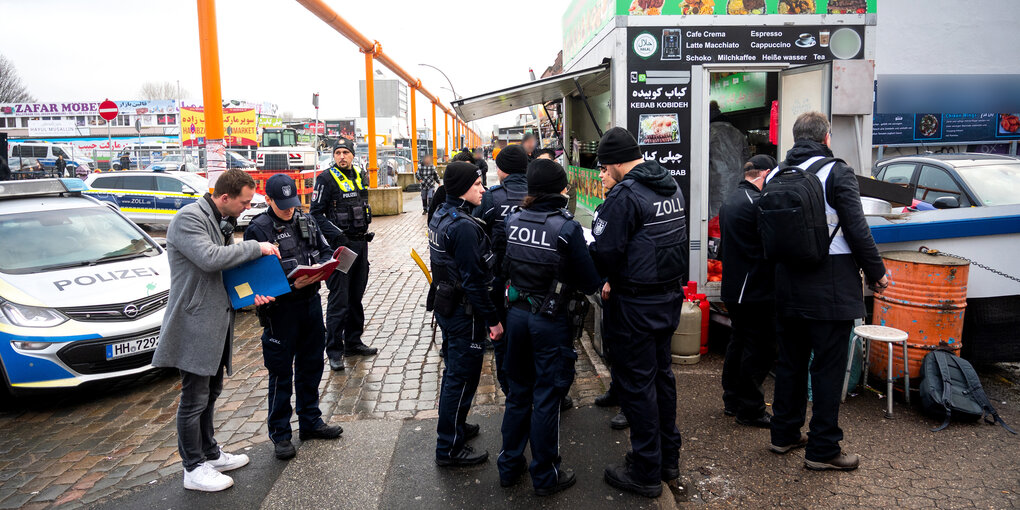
{"type": "Point", "coordinates": [619, 422]}
{"type": "Point", "coordinates": [566, 403]}
{"type": "Point", "coordinates": [467, 456]}
{"type": "Point", "coordinates": [607, 399]}
{"type": "Point", "coordinates": [565, 480]}
{"type": "Point", "coordinates": [284, 450]}
{"type": "Point", "coordinates": [620, 477]}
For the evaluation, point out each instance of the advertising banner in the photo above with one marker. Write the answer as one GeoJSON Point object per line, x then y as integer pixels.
{"type": "Point", "coordinates": [240, 123]}
{"type": "Point", "coordinates": [944, 129]}
{"type": "Point", "coordinates": [141, 107]}
{"type": "Point", "coordinates": [743, 7]}
{"type": "Point", "coordinates": [44, 128]}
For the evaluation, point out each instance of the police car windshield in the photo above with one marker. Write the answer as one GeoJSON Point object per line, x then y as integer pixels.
{"type": "Point", "coordinates": [46, 240]}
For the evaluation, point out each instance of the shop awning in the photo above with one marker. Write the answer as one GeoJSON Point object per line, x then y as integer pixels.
{"type": "Point", "coordinates": [593, 81]}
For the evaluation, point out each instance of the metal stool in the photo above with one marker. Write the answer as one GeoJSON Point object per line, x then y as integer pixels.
{"type": "Point", "coordinates": [890, 336]}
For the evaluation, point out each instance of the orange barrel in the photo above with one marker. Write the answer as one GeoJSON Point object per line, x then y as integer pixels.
{"type": "Point", "coordinates": [926, 297]}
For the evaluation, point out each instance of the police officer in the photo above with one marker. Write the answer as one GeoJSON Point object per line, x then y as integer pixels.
{"type": "Point", "coordinates": [460, 297]}
{"type": "Point", "coordinates": [641, 247]}
{"type": "Point", "coordinates": [511, 166]}
{"type": "Point", "coordinates": [293, 336]}
{"type": "Point", "coordinates": [609, 398]}
{"type": "Point", "coordinates": [548, 262]}
{"type": "Point", "coordinates": [340, 206]}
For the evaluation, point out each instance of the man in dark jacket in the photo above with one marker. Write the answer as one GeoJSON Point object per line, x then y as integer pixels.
{"type": "Point", "coordinates": [817, 305]}
{"type": "Point", "coordinates": [641, 247]}
{"type": "Point", "coordinates": [747, 287]}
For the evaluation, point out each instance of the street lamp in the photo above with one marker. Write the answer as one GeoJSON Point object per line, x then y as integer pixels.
{"type": "Point", "coordinates": [455, 95]}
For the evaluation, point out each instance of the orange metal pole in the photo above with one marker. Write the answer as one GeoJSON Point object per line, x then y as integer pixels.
{"type": "Point", "coordinates": [216, 156]}
{"type": "Point", "coordinates": [414, 130]}
{"type": "Point", "coordinates": [446, 136]}
{"type": "Point", "coordinates": [435, 139]}
{"type": "Point", "coordinates": [373, 170]}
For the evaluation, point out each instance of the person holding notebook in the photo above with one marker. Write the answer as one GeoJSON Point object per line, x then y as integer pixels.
{"type": "Point", "coordinates": [198, 324]}
{"type": "Point", "coordinates": [293, 335]}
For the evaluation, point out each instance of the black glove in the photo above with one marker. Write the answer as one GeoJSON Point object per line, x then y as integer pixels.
{"type": "Point", "coordinates": [369, 236]}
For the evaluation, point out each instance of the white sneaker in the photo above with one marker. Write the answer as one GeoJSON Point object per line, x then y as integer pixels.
{"type": "Point", "coordinates": [227, 461]}
{"type": "Point", "coordinates": [205, 478]}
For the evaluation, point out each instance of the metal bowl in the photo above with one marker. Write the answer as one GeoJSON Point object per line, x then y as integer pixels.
{"type": "Point", "coordinates": [875, 206]}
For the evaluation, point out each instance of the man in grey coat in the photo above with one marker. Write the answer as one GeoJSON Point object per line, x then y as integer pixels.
{"type": "Point", "coordinates": [198, 325]}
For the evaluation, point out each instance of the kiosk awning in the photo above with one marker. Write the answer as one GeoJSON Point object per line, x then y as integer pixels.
{"type": "Point", "coordinates": [592, 81]}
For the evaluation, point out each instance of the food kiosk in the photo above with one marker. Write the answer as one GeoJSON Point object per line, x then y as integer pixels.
{"type": "Point", "coordinates": [654, 67]}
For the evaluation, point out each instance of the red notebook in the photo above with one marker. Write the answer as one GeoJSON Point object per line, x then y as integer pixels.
{"type": "Point", "coordinates": [342, 259]}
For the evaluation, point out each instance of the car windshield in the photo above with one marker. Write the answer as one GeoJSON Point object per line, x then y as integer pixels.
{"type": "Point", "coordinates": [171, 159]}
{"type": "Point", "coordinates": [997, 184]}
{"type": "Point", "coordinates": [45, 240]}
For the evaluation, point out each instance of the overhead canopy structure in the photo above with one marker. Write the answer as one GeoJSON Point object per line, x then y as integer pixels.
{"type": "Point", "coordinates": [592, 81]}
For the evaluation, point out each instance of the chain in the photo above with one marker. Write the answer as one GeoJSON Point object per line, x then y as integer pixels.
{"type": "Point", "coordinates": [927, 251]}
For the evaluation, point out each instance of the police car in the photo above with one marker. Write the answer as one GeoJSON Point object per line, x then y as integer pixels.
{"type": "Point", "coordinates": [153, 198]}
{"type": "Point", "coordinates": [82, 288]}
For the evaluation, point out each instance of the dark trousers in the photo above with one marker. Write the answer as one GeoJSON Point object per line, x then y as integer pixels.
{"type": "Point", "coordinates": [829, 341]}
{"type": "Point", "coordinates": [540, 369]}
{"type": "Point", "coordinates": [464, 335]}
{"type": "Point", "coordinates": [749, 357]}
{"type": "Point", "coordinates": [345, 315]}
{"type": "Point", "coordinates": [292, 346]}
{"type": "Point", "coordinates": [426, 197]}
{"type": "Point", "coordinates": [640, 330]}
{"type": "Point", "coordinates": [195, 440]}
{"type": "Point", "coordinates": [499, 348]}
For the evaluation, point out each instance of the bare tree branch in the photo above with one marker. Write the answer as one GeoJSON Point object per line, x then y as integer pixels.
{"type": "Point", "coordinates": [11, 88]}
{"type": "Point", "coordinates": [153, 91]}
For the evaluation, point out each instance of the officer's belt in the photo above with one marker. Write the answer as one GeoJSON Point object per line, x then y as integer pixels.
{"type": "Point", "coordinates": [637, 289]}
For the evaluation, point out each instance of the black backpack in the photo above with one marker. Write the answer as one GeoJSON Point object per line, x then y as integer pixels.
{"type": "Point", "coordinates": [951, 388]}
{"type": "Point", "coordinates": [791, 215]}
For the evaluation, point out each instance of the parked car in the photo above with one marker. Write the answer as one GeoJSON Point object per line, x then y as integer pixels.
{"type": "Point", "coordinates": [82, 289]}
{"type": "Point", "coordinates": [153, 198]}
{"type": "Point", "coordinates": [174, 162]}
{"type": "Point", "coordinates": [955, 180]}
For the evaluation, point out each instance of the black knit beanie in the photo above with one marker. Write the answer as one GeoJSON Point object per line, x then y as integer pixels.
{"type": "Point", "coordinates": [545, 176]}
{"type": "Point", "coordinates": [512, 160]}
{"type": "Point", "coordinates": [344, 143]}
{"type": "Point", "coordinates": [459, 178]}
{"type": "Point", "coordinates": [618, 146]}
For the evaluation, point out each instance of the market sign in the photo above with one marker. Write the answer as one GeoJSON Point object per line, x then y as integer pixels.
{"type": "Point", "coordinates": [47, 128]}
{"type": "Point", "coordinates": [48, 109]}
{"type": "Point", "coordinates": [241, 123]}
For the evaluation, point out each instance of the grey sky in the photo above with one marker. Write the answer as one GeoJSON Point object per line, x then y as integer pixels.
{"type": "Point", "coordinates": [276, 50]}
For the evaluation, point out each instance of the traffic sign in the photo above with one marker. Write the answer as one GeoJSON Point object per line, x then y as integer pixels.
{"type": "Point", "coordinates": [108, 110]}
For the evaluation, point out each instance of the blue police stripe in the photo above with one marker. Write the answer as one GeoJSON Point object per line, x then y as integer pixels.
{"type": "Point", "coordinates": [897, 233]}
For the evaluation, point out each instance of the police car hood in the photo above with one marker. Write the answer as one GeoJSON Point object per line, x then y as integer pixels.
{"type": "Point", "coordinates": [104, 283]}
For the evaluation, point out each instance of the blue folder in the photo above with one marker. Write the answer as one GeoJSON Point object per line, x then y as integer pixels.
{"type": "Point", "coordinates": [263, 276]}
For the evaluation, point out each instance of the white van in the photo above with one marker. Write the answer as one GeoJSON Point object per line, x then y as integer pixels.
{"type": "Point", "coordinates": [27, 154]}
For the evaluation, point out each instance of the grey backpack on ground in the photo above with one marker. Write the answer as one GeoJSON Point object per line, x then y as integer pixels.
{"type": "Point", "coordinates": [950, 388]}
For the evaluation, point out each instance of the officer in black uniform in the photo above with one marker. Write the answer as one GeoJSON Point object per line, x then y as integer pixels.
{"type": "Point", "coordinates": [340, 206]}
{"type": "Point", "coordinates": [641, 247]}
{"type": "Point", "coordinates": [548, 264]}
{"type": "Point", "coordinates": [292, 335]}
{"type": "Point", "coordinates": [511, 165]}
{"type": "Point", "coordinates": [460, 297]}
